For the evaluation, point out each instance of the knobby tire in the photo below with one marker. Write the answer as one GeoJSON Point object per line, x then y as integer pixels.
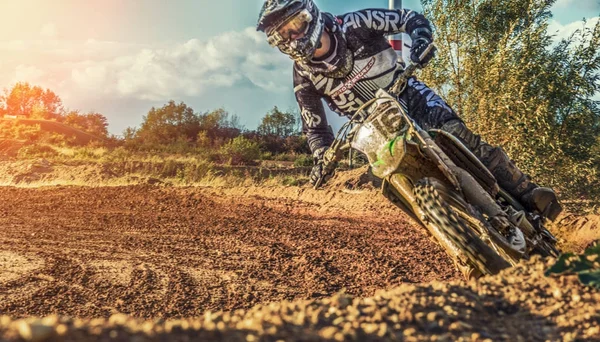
{"type": "Point", "coordinates": [478, 254]}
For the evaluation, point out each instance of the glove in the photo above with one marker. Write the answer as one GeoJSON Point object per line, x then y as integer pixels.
{"type": "Point", "coordinates": [421, 39]}
{"type": "Point", "coordinates": [318, 171]}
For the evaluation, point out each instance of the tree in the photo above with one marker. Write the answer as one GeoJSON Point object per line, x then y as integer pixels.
{"type": "Point", "coordinates": [277, 123]}
{"type": "Point", "coordinates": [219, 126]}
{"type": "Point", "coordinates": [129, 133]}
{"type": "Point", "coordinates": [169, 124]}
{"type": "Point", "coordinates": [496, 66]}
{"type": "Point", "coordinates": [219, 118]}
{"type": "Point", "coordinates": [93, 123]}
{"type": "Point", "coordinates": [31, 101]}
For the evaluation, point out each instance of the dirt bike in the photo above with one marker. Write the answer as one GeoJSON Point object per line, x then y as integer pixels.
{"type": "Point", "coordinates": [441, 184]}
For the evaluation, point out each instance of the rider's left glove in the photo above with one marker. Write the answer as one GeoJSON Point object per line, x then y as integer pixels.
{"type": "Point", "coordinates": [318, 171]}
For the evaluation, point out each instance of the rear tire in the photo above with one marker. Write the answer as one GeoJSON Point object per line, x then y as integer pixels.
{"type": "Point", "coordinates": [474, 251]}
{"type": "Point", "coordinates": [546, 249]}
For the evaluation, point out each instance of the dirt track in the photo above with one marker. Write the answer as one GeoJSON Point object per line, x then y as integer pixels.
{"type": "Point", "coordinates": [171, 252]}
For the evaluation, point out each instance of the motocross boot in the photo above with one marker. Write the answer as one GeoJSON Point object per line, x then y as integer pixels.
{"type": "Point", "coordinates": [520, 186]}
{"type": "Point", "coordinates": [507, 174]}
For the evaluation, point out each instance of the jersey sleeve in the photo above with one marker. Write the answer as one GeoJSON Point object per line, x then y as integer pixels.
{"type": "Point", "coordinates": [314, 119]}
{"type": "Point", "coordinates": [385, 21]}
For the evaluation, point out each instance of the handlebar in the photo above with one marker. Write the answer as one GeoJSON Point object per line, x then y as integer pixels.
{"type": "Point", "coordinates": [332, 155]}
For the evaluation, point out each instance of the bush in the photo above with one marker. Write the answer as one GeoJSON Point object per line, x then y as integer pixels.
{"type": "Point", "coordinates": [240, 151]}
{"type": "Point", "coordinates": [37, 151]}
{"type": "Point", "coordinates": [287, 157]}
{"type": "Point", "coordinates": [304, 160]}
{"type": "Point", "coordinates": [53, 138]}
{"type": "Point", "coordinates": [89, 153]}
{"type": "Point", "coordinates": [297, 144]}
{"type": "Point", "coordinates": [119, 154]}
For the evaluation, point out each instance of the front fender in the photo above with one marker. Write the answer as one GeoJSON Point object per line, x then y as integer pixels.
{"type": "Point", "coordinates": [389, 157]}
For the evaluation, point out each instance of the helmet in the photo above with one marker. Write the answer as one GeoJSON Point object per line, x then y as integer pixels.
{"type": "Point", "coordinates": [276, 13]}
{"type": "Point", "coordinates": [340, 60]}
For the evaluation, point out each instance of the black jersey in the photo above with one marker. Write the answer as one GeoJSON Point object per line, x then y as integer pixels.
{"type": "Point", "coordinates": [375, 66]}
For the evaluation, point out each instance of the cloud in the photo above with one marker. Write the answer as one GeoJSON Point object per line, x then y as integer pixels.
{"type": "Point", "coordinates": [565, 31]}
{"type": "Point", "coordinates": [581, 4]}
{"type": "Point", "coordinates": [28, 73]}
{"type": "Point", "coordinates": [49, 31]}
{"type": "Point", "coordinates": [155, 72]}
{"type": "Point", "coordinates": [188, 68]}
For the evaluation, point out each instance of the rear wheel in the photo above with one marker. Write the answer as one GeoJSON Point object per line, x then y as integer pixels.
{"type": "Point", "coordinates": [474, 251]}
{"type": "Point", "coordinates": [546, 249]}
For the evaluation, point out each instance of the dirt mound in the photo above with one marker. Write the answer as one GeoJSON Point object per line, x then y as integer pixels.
{"type": "Point", "coordinates": [349, 190]}
{"type": "Point", "coordinates": [108, 254]}
{"type": "Point", "coordinates": [146, 250]}
{"type": "Point", "coordinates": [80, 137]}
{"type": "Point", "coordinates": [520, 304]}
{"type": "Point", "coordinates": [10, 148]}
{"type": "Point", "coordinates": [577, 231]}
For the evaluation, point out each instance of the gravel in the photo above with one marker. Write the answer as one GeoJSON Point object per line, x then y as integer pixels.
{"type": "Point", "coordinates": [519, 304]}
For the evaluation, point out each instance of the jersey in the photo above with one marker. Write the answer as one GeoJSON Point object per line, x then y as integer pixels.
{"type": "Point", "coordinates": [375, 66]}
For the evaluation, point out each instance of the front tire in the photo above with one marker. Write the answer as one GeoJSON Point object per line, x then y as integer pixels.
{"type": "Point", "coordinates": [475, 253]}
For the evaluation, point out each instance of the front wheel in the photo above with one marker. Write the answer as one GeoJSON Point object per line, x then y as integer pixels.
{"type": "Point", "coordinates": [471, 249]}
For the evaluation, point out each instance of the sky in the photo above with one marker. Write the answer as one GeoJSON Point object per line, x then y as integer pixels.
{"type": "Point", "coordinates": [122, 57]}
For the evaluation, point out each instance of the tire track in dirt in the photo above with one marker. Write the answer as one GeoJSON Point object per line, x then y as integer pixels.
{"type": "Point", "coordinates": [171, 252]}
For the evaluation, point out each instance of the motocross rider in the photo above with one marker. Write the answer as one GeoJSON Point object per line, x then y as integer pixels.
{"type": "Point", "coordinates": [345, 59]}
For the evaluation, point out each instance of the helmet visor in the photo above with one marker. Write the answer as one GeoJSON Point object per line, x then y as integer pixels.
{"type": "Point", "coordinates": [294, 28]}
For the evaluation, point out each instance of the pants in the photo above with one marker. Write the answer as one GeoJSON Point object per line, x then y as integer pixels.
{"type": "Point", "coordinates": [430, 111]}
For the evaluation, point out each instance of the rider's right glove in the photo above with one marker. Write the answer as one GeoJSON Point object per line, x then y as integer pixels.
{"type": "Point", "coordinates": [421, 39]}
{"type": "Point", "coordinates": [318, 171]}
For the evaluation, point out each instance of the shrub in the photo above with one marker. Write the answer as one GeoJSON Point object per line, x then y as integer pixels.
{"type": "Point", "coordinates": [54, 138]}
{"type": "Point", "coordinates": [304, 160]}
{"type": "Point", "coordinates": [194, 172]}
{"type": "Point", "coordinates": [171, 168]}
{"type": "Point", "coordinates": [89, 153]}
{"type": "Point", "coordinates": [37, 151]}
{"type": "Point", "coordinates": [266, 155]}
{"type": "Point", "coordinates": [287, 157]}
{"type": "Point", "coordinates": [240, 151]}
{"type": "Point", "coordinates": [119, 154]}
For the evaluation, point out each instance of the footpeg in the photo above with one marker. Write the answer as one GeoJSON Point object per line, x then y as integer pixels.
{"type": "Point", "coordinates": [513, 235]}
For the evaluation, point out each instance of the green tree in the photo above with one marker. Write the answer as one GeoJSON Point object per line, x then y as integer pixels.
{"type": "Point", "coordinates": [278, 123]}
{"type": "Point", "coordinates": [219, 118]}
{"type": "Point", "coordinates": [218, 126]}
{"type": "Point", "coordinates": [211, 121]}
{"type": "Point", "coordinates": [169, 124]}
{"type": "Point", "coordinates": [129, 133]}
{"type": "Point", "coordinates": [31, 101]}
{"type": "Point", "coordinates": [93, 123]}
{"type": "Point", "coordinates": [497, 67]}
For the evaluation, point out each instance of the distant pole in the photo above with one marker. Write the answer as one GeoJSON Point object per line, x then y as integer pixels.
{"type": "Point", "coordinates": [400, 42]}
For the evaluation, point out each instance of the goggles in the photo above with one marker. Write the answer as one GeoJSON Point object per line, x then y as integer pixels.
{"type": "Point", "coordinates": [296, 25]}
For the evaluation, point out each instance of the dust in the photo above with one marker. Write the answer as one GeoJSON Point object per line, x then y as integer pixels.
{"type": "Point", "coordinates": [577, 231]}
{"type": "Point", "coordinates": [355, 179]}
